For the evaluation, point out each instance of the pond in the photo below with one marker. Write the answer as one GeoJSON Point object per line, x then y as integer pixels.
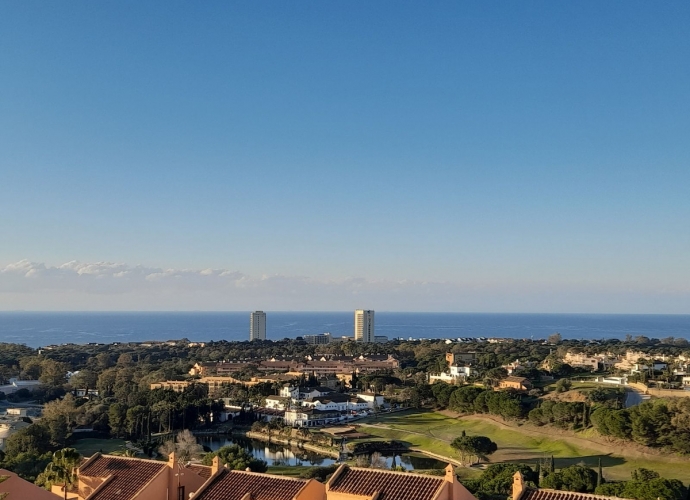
{"type": "Point", "coordinates": [278, 454]}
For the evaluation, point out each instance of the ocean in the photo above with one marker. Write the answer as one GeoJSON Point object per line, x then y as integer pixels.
{"type": "Point", "coordinates": [37, 329]}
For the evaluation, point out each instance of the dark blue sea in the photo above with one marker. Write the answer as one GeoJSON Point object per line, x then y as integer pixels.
{"type": "Point", "coordinates": [40, 329]}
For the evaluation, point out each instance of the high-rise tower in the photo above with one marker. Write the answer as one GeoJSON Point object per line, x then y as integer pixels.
{"type": "Point", "coordinates": [364, 325]}
{"type": "Point", "coordinates": [257, 325]}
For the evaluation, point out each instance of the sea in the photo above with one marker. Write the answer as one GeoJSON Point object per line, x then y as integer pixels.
{"type": "Point", "coordinates": [36, 329]}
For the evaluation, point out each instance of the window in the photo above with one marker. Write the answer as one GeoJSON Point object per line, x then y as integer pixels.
{"type": "Point", "coordinates": [180, 493]}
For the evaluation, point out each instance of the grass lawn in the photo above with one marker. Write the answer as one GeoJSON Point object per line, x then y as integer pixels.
{"type": "Point", "coordinates": [87, 447]}
{"type": "Point", "coordinates": [433, 432]}
{"type": "Point", "coordinates": [288, 470]}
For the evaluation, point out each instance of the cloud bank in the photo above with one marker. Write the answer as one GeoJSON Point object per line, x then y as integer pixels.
{"type": "Point", "coordinates": [79, 286]}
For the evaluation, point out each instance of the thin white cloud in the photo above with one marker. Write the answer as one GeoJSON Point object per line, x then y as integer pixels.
{"type": "Point", "coordinates": [78, 285]}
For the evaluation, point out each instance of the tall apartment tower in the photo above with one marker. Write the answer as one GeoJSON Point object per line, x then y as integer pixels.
{"type": "Point", "coordinates": [364, 325]}
{"type": "Point", "coordinates": [257, 325]}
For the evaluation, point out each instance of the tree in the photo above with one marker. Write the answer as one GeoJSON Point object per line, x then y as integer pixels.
{"type": "Point", "coordinates": [32, 439]}
{"type": "Point", "coordinates": [497, 479]}
{"type": "Point", "coordinates": [185, 447]}
{"type": "Point", "coordinates": [563, 385]}
{"type": "Point", "coordinates": [554, 338]}
{"type": "Point", "coordinates": [573, 478]}
{"type": "Point", "coordinates": [62, 469]}
{"type": "Point", "coordinates": [117, 415]}
{"type": "Point", "coordinates": [474, 448]}
{"type": "Point", "coordinates": [53, 373]}
{"type": "Point", "coordinates": [377, 461]}
{"type": "Point", "coordinates": [462, 399]}
{"type": "Point", "coordinates": [236, 458]}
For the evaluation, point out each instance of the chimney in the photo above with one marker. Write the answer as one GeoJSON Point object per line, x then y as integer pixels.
{"type": "Point", "coordinates": [171, 460]}
{"type": "Point", "coordinates": [215, 465]}
{"type": "Point", "coordinates": [519, 485]}
{"type": "Point", "coordinates": [450, 473]}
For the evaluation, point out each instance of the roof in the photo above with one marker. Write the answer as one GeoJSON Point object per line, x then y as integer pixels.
{"type": "Point", "coordinates": [128, 475]}
{"type": "Point", "coordinates": [520, 380]}
{"type": "Point", "coordinates": [201, 470]}
{"type": "Point", "coordinates": [542, 494]}
{"type": "Point", "coordinates": [391, 485]}
{"type": "Point", "coordinates": [19, 488]}
{"type": "Point", "coordinates": [234, 485]}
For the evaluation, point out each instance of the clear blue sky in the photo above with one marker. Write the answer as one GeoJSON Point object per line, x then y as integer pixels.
{"type": "Point", "coordinates": [462, 156]}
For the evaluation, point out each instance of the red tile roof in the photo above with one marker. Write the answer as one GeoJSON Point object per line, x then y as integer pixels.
{"type": "Point", "coordinates": [16, 488]}
{"type": "Point", "coordinates": [234, 485]}
{"type": "Point", "coordinates": [560, 495]}
{"type": "Point", "coordinates": [201, 470]}
{"type": "Point", "coordinates": [129, 475]}
{"type": "Point", "coordinates": [391, 485]}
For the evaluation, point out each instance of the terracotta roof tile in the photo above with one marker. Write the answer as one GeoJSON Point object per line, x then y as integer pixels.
{"type": "Point", "coordinates": [544, 494]}
{"type": "Point", "coordinates": [391, 485]}
{"type": "Point", "coordinates": [129, 475]}
{"type": "Point", "coordinates": [201, 470]}
{"type": "Point", "coordinates": [233, 485]}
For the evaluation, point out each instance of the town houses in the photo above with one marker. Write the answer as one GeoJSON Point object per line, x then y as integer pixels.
{"type": "Point", "coordinates": [308, 365]}
{"type": "Point", "coordinates": [107, 477]}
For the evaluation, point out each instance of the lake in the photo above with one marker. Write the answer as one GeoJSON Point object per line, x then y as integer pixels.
{"type": "Point", "coordinates": [278, 454]}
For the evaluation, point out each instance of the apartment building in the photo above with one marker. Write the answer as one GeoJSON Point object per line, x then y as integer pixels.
{"type": "Point", "coordinates": [173, 385]}
{"type": "Point", "coordinates": [257, 325]}
{"type": "Point", "coordinates": [318, 339]}
{"type": "Point", "coordinates": [364, 326]}
{"type": "Point", "coordinates": [580, 360]}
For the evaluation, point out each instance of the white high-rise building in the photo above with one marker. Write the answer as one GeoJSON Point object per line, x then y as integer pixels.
{"type": "Point", "coordinates": [257, 325]}
{"type": "Point", "coordinates": [364, 325]}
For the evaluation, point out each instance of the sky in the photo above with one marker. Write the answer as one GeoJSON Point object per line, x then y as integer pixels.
{"type": "Point", "coordinates": [402, 156]}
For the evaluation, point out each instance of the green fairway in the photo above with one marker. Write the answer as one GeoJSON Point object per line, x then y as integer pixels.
{"type": "Point", "coordinates": [87, 447]}
{"type": "Point", "coordinates": [288, 470]}
{"type": "Point", "coordinates": [433, 432]}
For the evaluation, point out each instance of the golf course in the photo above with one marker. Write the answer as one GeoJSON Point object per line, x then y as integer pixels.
{"type": "Point", "coordinates": [432, 432]}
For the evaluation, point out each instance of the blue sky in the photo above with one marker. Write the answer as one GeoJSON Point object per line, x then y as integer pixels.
{"type": "Point", "coordinates": [456, 156]}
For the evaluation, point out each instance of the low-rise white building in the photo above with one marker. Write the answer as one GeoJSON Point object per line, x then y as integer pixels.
{"type": "Point", "coordinates": [373, 400]}
{"type": "Point", "coordinates": [311, 417]}
{"type": "Point", "coordinates": [278, 402]}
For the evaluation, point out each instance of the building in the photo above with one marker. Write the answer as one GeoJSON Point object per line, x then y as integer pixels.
{"type": "Point", "coordinates": [257, 325]}
{"type": "Point", "coordinates": [107, 477]}
{"type": "Point", "coordinates": [580, 360]}
{"type": "Point", "coordinates": [354, 483]}
{"type": "Point", "coordinates": [516, 383]}
{"type": "Point", "coordinates": [373, 400]}
{"type": "Point", "coordinates": [521, 491]}
{"type": "Point", "coordinates": [364, 325]}
{"type": "Point", "coordinates": [318, 339]}
{"type": "Point", "coordinates": [277, 402]}
{"type": "Point", "coordinates": [172, 385]}
{"type": "Point", "coordinates": [13, 487]}
{"type": "Point", "coordinates": [227, 484]}
{"type": "Point", "coordinates": [9, 426]}
{"type": "Point", "coordinates": [311, 417]}
{"type": "Point", "coordinates": [337, 402]}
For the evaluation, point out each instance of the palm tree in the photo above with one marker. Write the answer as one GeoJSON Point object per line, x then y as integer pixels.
{"type": "Point", "coordinates": [63, 468]}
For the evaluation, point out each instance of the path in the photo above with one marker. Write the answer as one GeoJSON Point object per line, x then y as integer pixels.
{"type": "Point", "coordinates": [634, 397]}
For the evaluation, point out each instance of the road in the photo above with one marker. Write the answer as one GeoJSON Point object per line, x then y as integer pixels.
{"type": "Point", "coordinates": [634, 397]}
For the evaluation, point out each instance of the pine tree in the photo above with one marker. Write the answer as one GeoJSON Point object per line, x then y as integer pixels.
{"type": "Point", "coordinates": [537, 472]}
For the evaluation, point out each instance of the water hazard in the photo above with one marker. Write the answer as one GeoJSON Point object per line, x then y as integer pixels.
{"type": "Point", "coordinates": [282, 455]}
